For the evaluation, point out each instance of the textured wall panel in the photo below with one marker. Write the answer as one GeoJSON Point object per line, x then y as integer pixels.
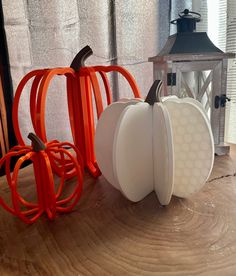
{"type": "Point", "coordinates": [163, 19]}
{"type": "Point", "coordinates": [19, 45]}
{"type": "Point", "coordinates": [15, 12]}
{"type": "Point", "coordinates": [54, 31]}
{"type": "Point", "coordinates": [53, 47]}
{"type": "Point", "coordinates": [49, 34]}
{"type": "Point", "coordinates": [94, 20]}
{"type": "Point", "coordinates": [48, 37]}
{"type": "Point", "coordinates": [201, 7]}
{"type": "Point", "coordinates": [47, 14]}
{"type": "Point", "coordinates": [137, 39]}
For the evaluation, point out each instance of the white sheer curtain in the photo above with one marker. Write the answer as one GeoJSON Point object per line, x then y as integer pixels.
{"type": "Point", "coordinates": [231, 84]}
{"type": "Point", "coordinates": [222, 31]}
{"type": "Point", "coordinates": [46, 33]}
{"type": "Point", "coordinates": [220, 23]}
{"type": "Point", "coordinates": [49, 33]}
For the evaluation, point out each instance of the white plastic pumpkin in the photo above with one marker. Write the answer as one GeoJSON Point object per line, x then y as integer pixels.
{"type": "Point", "coordinates": [164, 145]}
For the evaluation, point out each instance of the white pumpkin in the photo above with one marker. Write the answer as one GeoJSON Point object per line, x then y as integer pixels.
{"type": "Point", "coordinates": [165, 145]}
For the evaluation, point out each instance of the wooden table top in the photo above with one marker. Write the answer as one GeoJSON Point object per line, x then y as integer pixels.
{"type": "Point", "coordinates": [108, 235]}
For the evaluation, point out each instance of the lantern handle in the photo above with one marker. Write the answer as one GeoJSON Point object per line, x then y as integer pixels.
{"type": "Point", "coordinates": [154, 94]}
{"type": "Point", "coordinates": [37, 143]}
{"type": "Point", "coordinates": [185, 13]}
{"type": "Point", "coordinates": [80, 58]}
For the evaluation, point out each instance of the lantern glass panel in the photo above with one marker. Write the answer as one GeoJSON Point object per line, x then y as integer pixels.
{"type": "Point", "coordinates": [197, 85]}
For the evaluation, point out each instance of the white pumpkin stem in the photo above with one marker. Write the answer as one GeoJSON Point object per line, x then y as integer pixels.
{"type": "Point", "coordinates": [154, 93]}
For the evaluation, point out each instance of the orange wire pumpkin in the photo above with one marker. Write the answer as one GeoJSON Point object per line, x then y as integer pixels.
{"type": "Point", "coordinates": [49, 198]}
{"type": "Point", "coordinates": [82, 85]}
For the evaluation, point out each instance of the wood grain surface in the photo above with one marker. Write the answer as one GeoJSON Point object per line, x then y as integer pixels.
{"type": "Point", "coordinates": [108, 235]}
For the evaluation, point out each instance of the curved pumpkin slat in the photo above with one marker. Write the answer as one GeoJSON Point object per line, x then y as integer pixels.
{"type": "Point", "coordinates": [27, 204]}
{"type": "Point", "coordinates": [78, 172]}
{"type": "Point", "coordinates": [26, 151]}
{"type": "Point", "coordinates": [41, 100]}
{"type": "Point", "coordinates": [82, 84]}
{"type": "Point", "coordinates": [63, 175]}
{"type": "Point", "coordinates": [55, 144]}
{"type": "Point", "coordinates": [96, 90]}
{"type": "Point", "coordinates": [15, 108]}
{"type": "Point", "coordinates": [75, 195]}
{"type": "Point", "coordinates": [125, 73]}
{"type": "Point", "coordinates": [18, 148]}
{"type": "Point", "coordinates": [56, 165]}
{"type": "Point", "coordinates": [99, 108]}
{"type": "Point", "coordinates": [62, 180]}
{"type": "Point", "coordinates": [88, 123]}
{"type": "Point", "coordinates": [75, 149]}
{"type": "Point", "coordinates": [76, 112]}
{"type": "Point", "coordinates": [90, 119]}
{"type": "Point", "coordinates": [48, 187]}
{"type": "Point", "coordinates": [52, 150]}
{"type": "Point", "coordinates": [31, 211]}
{"type": "Point", "coordinates": [33, 99]}
{"type": "Point", "coordinates": [23, 215]}
{"type": "Point", "coordinates": [16, 199]}
{"type": "Point", "coordinates": [107, 87]}
{"type": "Point", "coordinates": [88, 82]}
{"type": "Point", "coordinates": [71, 86]}
{"type": "Point", "coordinates": [7, 161]}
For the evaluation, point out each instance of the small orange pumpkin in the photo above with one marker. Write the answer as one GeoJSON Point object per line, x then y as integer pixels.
{"type": "Point", "coordinates": [45, 158]}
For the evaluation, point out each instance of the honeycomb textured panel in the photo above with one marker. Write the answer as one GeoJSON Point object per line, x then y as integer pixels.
{"type": "Point", "coordinates": [193, 148]}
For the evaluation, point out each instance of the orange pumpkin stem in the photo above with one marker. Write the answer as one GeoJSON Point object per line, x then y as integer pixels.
{"type": "Point", "coordinates": [80, 58]}
{"type": "Point", "coordinates": [37, 143]}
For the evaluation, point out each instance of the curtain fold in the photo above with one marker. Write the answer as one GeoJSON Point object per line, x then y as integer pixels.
{"type": "Point", "coordinates": [137, 33]}
{"type": "Point", "coordinates": [230, 134]}
{"type": "Point", "coordinates": [223, 30]}
{"type": "Point", "coordinates": [45, 33]}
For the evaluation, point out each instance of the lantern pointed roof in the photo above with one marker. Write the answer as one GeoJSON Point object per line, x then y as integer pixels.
{"type": "Point", "coordinates": [189, 42]}
{"type": "Point", "coordinates": [190, 46]}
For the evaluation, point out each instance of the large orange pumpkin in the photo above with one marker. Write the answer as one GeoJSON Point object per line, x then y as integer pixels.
{"type": "Point", "coordinates": [82, 84]}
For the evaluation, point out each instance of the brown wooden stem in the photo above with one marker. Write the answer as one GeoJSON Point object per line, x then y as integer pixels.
{"type": "Point", "coordinates": [153, 95]}
{"type": "Point", "coordinates": [80, 58]}
{"type": "Point", "coordinates": [37, 143]}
